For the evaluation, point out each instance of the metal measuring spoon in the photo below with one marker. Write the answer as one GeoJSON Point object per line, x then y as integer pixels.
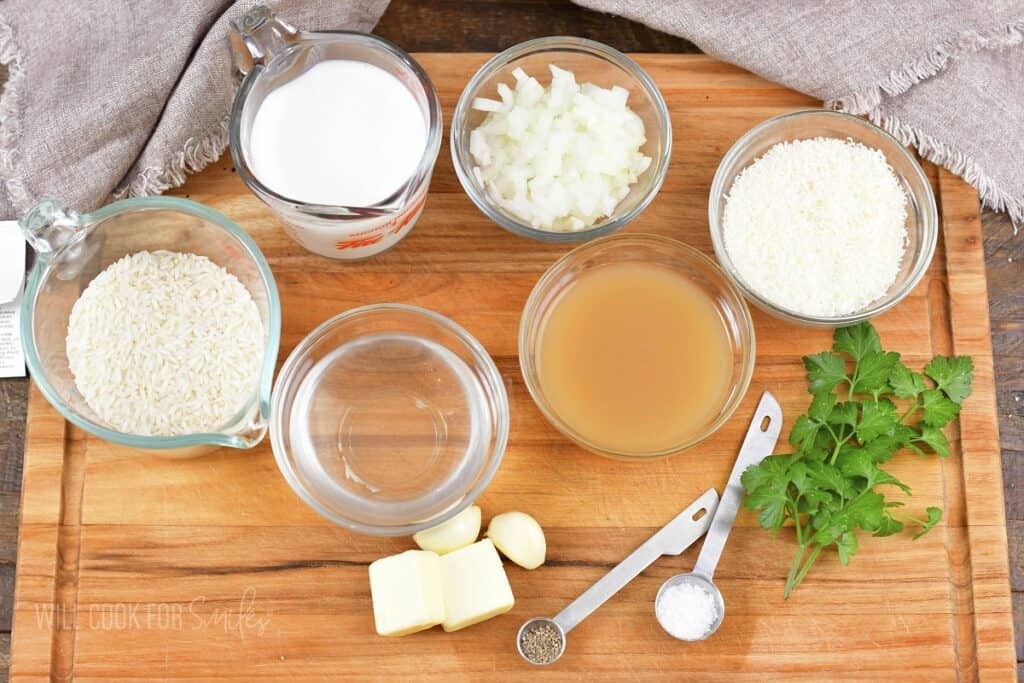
{"type": "Point", "coordinates": [671, 539]}
{"type": "Point", "coordinates": [758, 444]}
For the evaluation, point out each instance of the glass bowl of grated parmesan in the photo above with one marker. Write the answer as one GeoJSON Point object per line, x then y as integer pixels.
{"type": "Point", "coordinates": [822, 218]}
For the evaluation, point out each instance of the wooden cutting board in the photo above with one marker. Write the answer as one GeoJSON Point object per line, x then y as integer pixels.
{"type": "Point", "coordinates": [134, 567]}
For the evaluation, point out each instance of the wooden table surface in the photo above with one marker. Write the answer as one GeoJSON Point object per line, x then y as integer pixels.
{"type": "Point", "coordinates": [440, 25]}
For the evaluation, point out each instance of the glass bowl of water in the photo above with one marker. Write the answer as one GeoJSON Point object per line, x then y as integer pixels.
{"type": "Point", "coordinates": [389, 419]}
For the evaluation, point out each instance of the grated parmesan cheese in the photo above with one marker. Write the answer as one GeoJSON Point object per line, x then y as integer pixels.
{"type": "Point", "coordinates": [162, 343]}
{"type": "Point", "coordinates": [817, 226]}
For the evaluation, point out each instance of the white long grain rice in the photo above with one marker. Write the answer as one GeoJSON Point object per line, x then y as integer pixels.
{"type": "Point", "coordinates": [164, 343]}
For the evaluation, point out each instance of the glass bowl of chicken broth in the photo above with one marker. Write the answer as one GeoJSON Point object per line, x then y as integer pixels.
{"type": "Point", "coordinates": [636, 346]}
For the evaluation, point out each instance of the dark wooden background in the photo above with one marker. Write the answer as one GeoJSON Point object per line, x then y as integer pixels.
{"type": "Point", "coordinates": [491, 26]}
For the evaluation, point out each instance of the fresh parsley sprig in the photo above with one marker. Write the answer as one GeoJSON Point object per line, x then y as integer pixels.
{"type": "Point", "coordinates": [861, 413]}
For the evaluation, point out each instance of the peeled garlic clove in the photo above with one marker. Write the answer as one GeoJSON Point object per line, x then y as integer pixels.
{"type": "Point", "coordinates": [519, 538]}
{"type": "Point", "coordinates": [457, 532]}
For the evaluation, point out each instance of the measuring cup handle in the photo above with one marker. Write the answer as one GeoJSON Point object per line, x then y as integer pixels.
{"type": "Point", "coordinates": [51, 228]}
{"type": "Point", "coordinates": [258, 35]}
{"type": "Point", "coordinates": [758, 444]}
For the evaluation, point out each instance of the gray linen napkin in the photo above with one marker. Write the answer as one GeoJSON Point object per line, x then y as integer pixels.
{"type": "Point", "coordinates": [110, 97]}
{"type": "Point", "coordinates": [946, 76]}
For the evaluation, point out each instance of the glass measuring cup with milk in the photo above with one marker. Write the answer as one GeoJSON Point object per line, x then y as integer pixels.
{"type": "Point", "coordinates": [337, 132]}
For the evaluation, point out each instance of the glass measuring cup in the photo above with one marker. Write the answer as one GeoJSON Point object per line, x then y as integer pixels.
{"type": "Point", "coordinates": [269, 53]}
{"type": "Point", "coordinates": [72, 248]}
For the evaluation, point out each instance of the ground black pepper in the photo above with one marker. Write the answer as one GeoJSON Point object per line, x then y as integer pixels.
{"type": "Point", "coordinates": [541, 643]}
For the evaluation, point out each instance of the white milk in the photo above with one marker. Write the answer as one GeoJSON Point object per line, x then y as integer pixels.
{"type": "Point", "coordinates": [345, 133]}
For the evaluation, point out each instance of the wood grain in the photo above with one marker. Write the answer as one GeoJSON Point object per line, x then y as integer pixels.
{"type": "Point", "coordinates": [493, 25]}
{"type": "Point", "coordinates": [133, 566]}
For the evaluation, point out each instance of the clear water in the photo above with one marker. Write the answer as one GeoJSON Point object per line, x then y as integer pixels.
{"type": "Point", "coordinates": [392, 428]}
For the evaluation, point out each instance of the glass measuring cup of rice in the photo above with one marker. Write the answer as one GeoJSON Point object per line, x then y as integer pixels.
{"type": "Point", "coordinates": [389, 419]}
{"type": "Point", "coordinates": [72, 249]}
{"type": "Point", "coordinates": [337, 132]}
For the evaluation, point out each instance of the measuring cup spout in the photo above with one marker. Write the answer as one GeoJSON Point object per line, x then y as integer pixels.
{"type": "Point", "coordinates": [258, 35]}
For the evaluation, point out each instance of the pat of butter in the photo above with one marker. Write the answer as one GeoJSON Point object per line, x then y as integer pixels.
{"type": "Point", "coordinates": [475, 585]}
{"type": "Point", "coordinates": [406, 591]}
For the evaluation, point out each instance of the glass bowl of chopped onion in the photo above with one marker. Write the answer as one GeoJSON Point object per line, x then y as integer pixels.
{"type": "Point", "coordinates": [561, 139]}
{"type": "Point", "coordinates": [822, 218]}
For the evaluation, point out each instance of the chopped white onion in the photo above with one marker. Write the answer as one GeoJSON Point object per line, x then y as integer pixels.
{"type": "Point", "coordinates": [560, 158]}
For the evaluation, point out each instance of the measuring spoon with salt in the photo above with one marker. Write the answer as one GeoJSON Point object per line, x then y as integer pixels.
{"type": "Point", "coordinates": [541, 640]}
{"type": "Point", "coordinates": [758, 444]}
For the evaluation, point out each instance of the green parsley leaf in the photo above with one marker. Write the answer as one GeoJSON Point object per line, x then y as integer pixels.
{"type": "Point", "coordinates": [832, 527]}
{"type": "Point", "coordinates": [799, 477]}
{"type": "Point", "coordinates": [934, 437]}
{"type": "Point", "coordinates": [873, 371]}
{"type": "Point", "coordinates": [814, 498]}
{"type": "Point", "coordinates": [877, 418]}
{"type": "Point", "coordinates": [821, 406]}
{"type": "Point", "coordinates": [888, 527]}
{"type": "Point", "coordinates": [858, 463]}
{"type": "Point", "coordinates": [846, 544]}
{"type": "Point", "coordinates": [938, 410]}
{"type": "Point", "coordinates": [867, 510]}
{"type": "Point", "coordinates": [844, 413]}
{"type": "Point", "coordinates": [857, 340]}
{"type": "Point", "coordinates": [866, 406]}
{"type": "Point", "coordinates": [934, 517]}
{"type": "Point", "coordinates": [830, 478]}
{"type": "Point", "coordinates": [953, 375]}
{"type": "Point", "coordinates": [772, 471]}
{"type": "Point", "coordinates": [824, 371]}
{"type": "Point", "coordinates": [905, 383]}
{"type": "Point", "coordinates": [883, 477]}
{"type": "Point", "coordinates": [772, 508]}
{"type": "Point", "coordinates": [804, 430]}
{"type": "Point", "coordinates": [882, 449]}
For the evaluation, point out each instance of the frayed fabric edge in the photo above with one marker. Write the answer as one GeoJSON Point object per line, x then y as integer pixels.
{"type": "Point", "coordinates": [937, 152]}
{"type": "Point", "coordinates": [905, 77]}
{"type": "Point", "coordinates": [10, 116]}
{"type": "Point", "coordinates": [900, 80]}
{"type": "Point", "coordinates": [197, 154]}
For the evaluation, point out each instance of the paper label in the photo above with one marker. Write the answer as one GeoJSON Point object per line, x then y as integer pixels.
{"type": "Point", "coordinates": [12, 276]}
{"type": "Point", "coordinates": [12, 358]}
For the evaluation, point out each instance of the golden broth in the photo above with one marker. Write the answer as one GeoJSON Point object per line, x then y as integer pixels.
{"type": "Point", "coordinates": [634, 357]}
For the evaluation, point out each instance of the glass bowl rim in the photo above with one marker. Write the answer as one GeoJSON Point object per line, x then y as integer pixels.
{"type": "Point", "coordinates": [156, 443]}
{"type": "Point", "coordinates": [500, 411]}
{"type": "Point", "coordinates": [597, 50]}
{"type": "Point", "coordinates": [928, 224]}
{"type": "Point", "coordinates": [693, 257]}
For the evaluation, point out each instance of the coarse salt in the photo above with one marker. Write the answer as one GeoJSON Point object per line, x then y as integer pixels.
{"type": "Point", "coordinates": [687, 610]}
{"type": "Point", "coordinates": [817, 226]}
